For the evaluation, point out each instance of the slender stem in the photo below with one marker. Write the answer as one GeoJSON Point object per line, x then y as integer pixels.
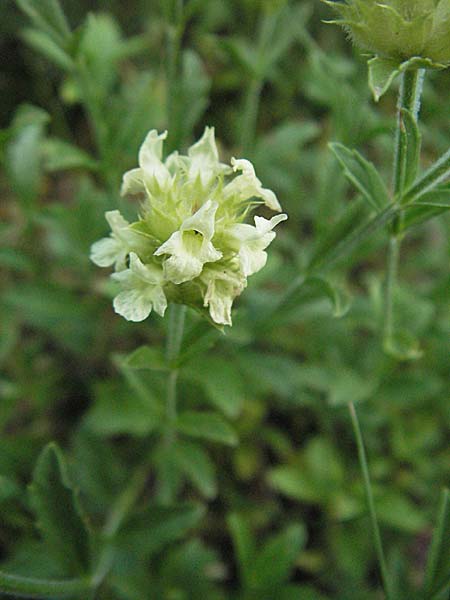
{"type": "Point", "coordinates": [250, 115]}
{"type": "Point", "coordinates": [391, 278]}
{"type": "Point", "coordinates": [409, 98]}
{"type": "Point", "coordinates": [252, 96]}
{"type": "Point", "coordinates": [173, 76]}
{"type": "Point", "coordinates": [177, 313]}
{"type": "Point", "coordinates": [31, 587]}
{"type": "Point", "coordinates": [370, 501]}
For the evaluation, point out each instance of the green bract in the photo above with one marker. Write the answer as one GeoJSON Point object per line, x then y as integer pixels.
{"type": "Point", "coordinates": [399, 29]}
{"type": "Point", "coordinates": [190, 244]}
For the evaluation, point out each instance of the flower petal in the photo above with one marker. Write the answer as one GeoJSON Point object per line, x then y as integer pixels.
{"type": "Point", "coordinates": [106, 252]}
{"type": "Point", "coordinates": [202, 221]}
{"type": "Point", "coordinates": [134, 304]}
{"type": "Point", "coordinates": [222, 287]}
{"type": "Point", "coordinates": [191, 247]}
{"type": "Point", "coordinates": [247, 185]}
{"type": "Point", "coordinates": [251, 241]}
{"type": "Point", "coordinates": [150, 155]}
{"type": "Point", "coordinates": [133, 182]}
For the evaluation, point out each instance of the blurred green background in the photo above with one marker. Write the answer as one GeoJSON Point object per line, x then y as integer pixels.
{"type": "Point", "coordinates": [281, 472]}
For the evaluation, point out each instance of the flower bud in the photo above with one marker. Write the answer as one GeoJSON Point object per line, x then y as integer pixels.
{"type": "Point", "coordinates": [190, 244]}
{"type": "Point", "coordinates": [399, 29]}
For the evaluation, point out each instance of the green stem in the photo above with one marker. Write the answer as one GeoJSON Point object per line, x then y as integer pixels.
{"type": "Point", "coordinates": [409, 98]}
{"type": "Point", "coordinates": [173, 76]}
{"type": "Point", "coordinates": [391, 278]}
{"type": "Point", "coordinates": [250, 114]}
{"type": "Point", "coordinates": [177, 313]}
{"type": "Point", "coordinates": [253, 93]}
{"type": "Point", "coordinates": [30, 587]}
{"type": "Point", "coordinates": [370, 501]}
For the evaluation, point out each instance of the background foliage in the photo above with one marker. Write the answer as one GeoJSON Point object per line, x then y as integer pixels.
{"type": "Point", "coordinates": [270, 502]}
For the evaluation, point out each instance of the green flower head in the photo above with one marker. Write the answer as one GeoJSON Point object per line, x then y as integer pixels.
{"type": "Point", "coordinates": [191, 244]}
{"type": "Point", "coordinates": [399, 29]}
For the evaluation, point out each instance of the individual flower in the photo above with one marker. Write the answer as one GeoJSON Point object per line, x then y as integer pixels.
{"type": "Point", "coordinates": [247, 185]}
{"type": "Point", "coordinates": [114, 249]}
{"type": "Point", "coordinates": [399, 29]}
{"type": "Point", "coordinates": [222, 287]}
{"type": "Point", "coordinates": [190, 247]}
{"type": "Point", "coordinates": [143, 291]}
{"type": "Point", "coordinates": [190, 244]}
{"type": "Point", "coordinates": [251, 241]}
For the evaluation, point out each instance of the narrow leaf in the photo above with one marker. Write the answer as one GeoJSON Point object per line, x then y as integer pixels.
{"type": "Point", "coordinates": [31, 587]}
{"type": "Point", "coordinates": [273, 564]}
{"type": "Point", "coordinates": [58, 512]}
{"type": "Point", "coordinates": [411, 141]}
{"type": "Point", "coordinates": [340, 300]}
{"type": "Point", "coordinates": [153, 528]}
{"type": "Point", "coordinates": [436, 174]}
{"type": "Point", "coordinates": [60, 155]}
{"type": "Point", "coordinates": [356, 237]}
{"type": "Point", "coordinates": [43, 43]}
{"type": "Point", "coordinates": [244, 545]}
{"type": "Point", "coordinates": [48, 16]}
{"type": "Point", "coordinates": [437, 575]}
{"type": "Point", "coordinates": [362, 174]}
{"type": "Point", "coordinates": [430, 205]}
{"type": "Point", "coordinates": [207, 425]}
{"type": "Point", "coordinates": [196, 465]}
{"type": "Point", "coordinates": [402, 345]}
{"type": "Point", "coordinates": [146, 357]}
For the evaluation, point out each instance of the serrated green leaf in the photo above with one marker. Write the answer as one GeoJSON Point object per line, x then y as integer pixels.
{"type": "Point", "coordinates": [363, 175]}
{"type": "Point", "coordinates": [382, 72]}
{"type": "Point", "coordinates": [197, 467]}
{"type": "Point", "coordinates": [59, 516]}
{"type": "Point", "coordinates": [206, 425]}
{"type": "Point", "coordinates": [437, 577]}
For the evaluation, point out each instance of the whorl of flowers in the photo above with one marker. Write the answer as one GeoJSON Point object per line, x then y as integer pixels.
{"type": "Point", "coordinates": [399, 29]}
{"type": "Point", "coordinates": [190, 244]}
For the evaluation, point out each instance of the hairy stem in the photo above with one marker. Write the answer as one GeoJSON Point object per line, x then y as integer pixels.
{"type": "Point", "coordinates": [409, 98]}
{"type": "Point", "coordinates": [370, 501]}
